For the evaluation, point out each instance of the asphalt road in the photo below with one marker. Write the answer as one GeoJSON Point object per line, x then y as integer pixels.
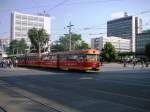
{"type": "Point", "coordinates": [113, 89]}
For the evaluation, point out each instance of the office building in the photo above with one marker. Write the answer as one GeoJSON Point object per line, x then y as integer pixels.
{"type": "Point", "coordinates": [121, 45]}
{"type": "Point", "coordinates": [126, 27]}
{"type": "Point", "coordinates": [141, 40]}
{"type": "Point", "coordinates": [21, 23]}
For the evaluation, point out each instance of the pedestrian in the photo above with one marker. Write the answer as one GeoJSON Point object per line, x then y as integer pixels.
{"type": "Point", "coordinates": [16, 62]}
{"type": "Point", "coordinates": [2, 63]}
{"type": "Point", "coordinates": [134, 63]}
{"type": "Point", "coordinates": [10, 63]}
{"type": "Point", "coordinates": [142, 63]}
{"type": "Point", "coordinates": [146, 63]}
{"type": "Point", "coordinates": [6, 63]}
{"type": "Point", "coordinates": [124, 62]}
{"type": "Point", "coordinates": [101, 60]}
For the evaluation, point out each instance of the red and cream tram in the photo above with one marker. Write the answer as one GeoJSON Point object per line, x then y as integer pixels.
{"type": "Point", "coordinates": [77, 60]}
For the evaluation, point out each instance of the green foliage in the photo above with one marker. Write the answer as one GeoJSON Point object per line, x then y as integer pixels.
{"type": "Point", "coordinates": [83, 46]}
{"type": "Point", "coordinates": [63, 43]}
{"type": "Point", "coordinates": [147, 50]}
{"type": "Point", "coordinates": [39, 38]}
{"type": "Point", "coordinates": [17, 47]}
{"type": "Point", "coordinates": [109, 53]}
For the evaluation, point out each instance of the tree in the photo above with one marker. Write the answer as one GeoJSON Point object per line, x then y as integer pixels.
{"type": "Point", "coordinates": [109, 53]}
{"type": "Point", "coordinates": [83, 46]}
{"type": "Point", "coordinates": [22, 46]}
{"type": "Point", "coordinates": [39, 38]}
{"type": "Point", "coordinates": [147, 50]}
{"type": "Point", "coordinates": [63, 43]}
{"type": "Point", "coordinates": [17, 46]}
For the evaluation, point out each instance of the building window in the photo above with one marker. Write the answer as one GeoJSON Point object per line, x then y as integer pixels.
{"type": "Point", "coordinates": [18, 28]}
{"type": "Point", "coordinates": [41, 19]}
{"type": "Point", "coordinates": [18, 21]}
{"type": "Point", "coordinates": [18, 16]}
{"type": "Point", "coordinates": [30, 18]}
{"type": "Point", "coordinates": [24, 17]}
{"type": "Point", "coordinates": [24, 23]}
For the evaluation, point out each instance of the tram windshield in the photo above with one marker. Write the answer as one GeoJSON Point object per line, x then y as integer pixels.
{"type": "Point", "coordinates": [92, 57]}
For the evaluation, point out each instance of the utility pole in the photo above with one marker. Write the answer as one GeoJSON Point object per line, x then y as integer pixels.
{"type": "Point", "coordinates": [69, 26]}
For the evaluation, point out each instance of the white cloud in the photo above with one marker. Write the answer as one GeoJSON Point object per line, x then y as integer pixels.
{"type": "Point", "coordinates": [117, 15]}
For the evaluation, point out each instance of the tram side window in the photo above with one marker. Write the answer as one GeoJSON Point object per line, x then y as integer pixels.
{"type": "Point", "coordinates": [72, 57]}
{"type": "Point", "coordinates": [32, 58]}
{"type": "Point", "coordinates": [50, 57]}
{"type": "Point", "coordinates": [62, 57]}
{"type": "Point", "coordinates": [45, 57]}
{"type": "Point", "coordinates": [27, 58]}
{"type": "Point", "coordinates": [81, 57]}
{"type": "Point", "coordinates": [53, 57]}
{"type": "Point", "coordinates": [22, 58]}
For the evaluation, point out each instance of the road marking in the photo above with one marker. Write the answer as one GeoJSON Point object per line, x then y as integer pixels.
{"type": "Point", "coordinates": [85, 78]}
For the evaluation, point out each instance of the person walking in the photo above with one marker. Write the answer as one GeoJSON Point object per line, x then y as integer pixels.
{"type": "Point", "coordinates": [146, 63]}
{"type": "Point", "coordinates": [142, 63]}
{"type": "Point", "coordinates": [4, 63]}
{"type": "Point", "coordinates": [134, 63]}
{"type": "Point", "coordinates": [124, 63]}
{"type": "Point", "coordinates": [7, 63]}
{"type": "Point", "coordinates": [10, 63]}
{"type": "Point", "coordinates": [0, 63]}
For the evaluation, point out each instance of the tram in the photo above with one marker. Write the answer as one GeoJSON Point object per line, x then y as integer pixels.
{"type": "Point", "coordinates": [70, 60]}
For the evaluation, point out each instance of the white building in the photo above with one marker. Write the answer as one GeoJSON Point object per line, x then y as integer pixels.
{"type": "Point", "coordinates": [121, 45]}
{"type": "Point", "coordinates": [21, 23]}
{"type": "Point", "coordinates": [126, 27]}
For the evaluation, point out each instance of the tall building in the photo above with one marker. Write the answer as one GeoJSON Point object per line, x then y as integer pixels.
{"type": "Point", "coordinates": [121, 45]}
{"type": "Point", "coordinates": [126, 27]}
{"type": "Point", "coordinates": [21, 23]}
{"type": "Point", "coordinates": [141, 40]}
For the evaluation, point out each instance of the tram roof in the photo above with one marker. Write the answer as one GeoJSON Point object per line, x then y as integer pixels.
{"type": "Point", "coordinates": [89, 51]}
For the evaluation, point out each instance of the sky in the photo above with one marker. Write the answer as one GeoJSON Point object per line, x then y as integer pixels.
{"type": "Point", "coordinates": [89, 17]}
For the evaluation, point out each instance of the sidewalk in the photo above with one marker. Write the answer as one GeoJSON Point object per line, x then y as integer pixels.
{"type": "Point", "coordinates": [120, 67]}
{"type": "Point", "coordinates": [14, 68]}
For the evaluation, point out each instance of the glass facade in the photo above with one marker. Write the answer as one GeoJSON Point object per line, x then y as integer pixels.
{"type": "Point", "coordinates": [126, 28]}
{"type": "Point", "coordinates": [141, 40]}
{"type": "Point", "coordinates": [120, 27]}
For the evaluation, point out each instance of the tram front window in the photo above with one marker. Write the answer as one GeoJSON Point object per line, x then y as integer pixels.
{"type": "Point", "coordinates": [92, 57]}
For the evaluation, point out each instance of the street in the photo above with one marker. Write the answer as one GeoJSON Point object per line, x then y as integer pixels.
{"type": "Point", "coordinates": [112, 89]}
